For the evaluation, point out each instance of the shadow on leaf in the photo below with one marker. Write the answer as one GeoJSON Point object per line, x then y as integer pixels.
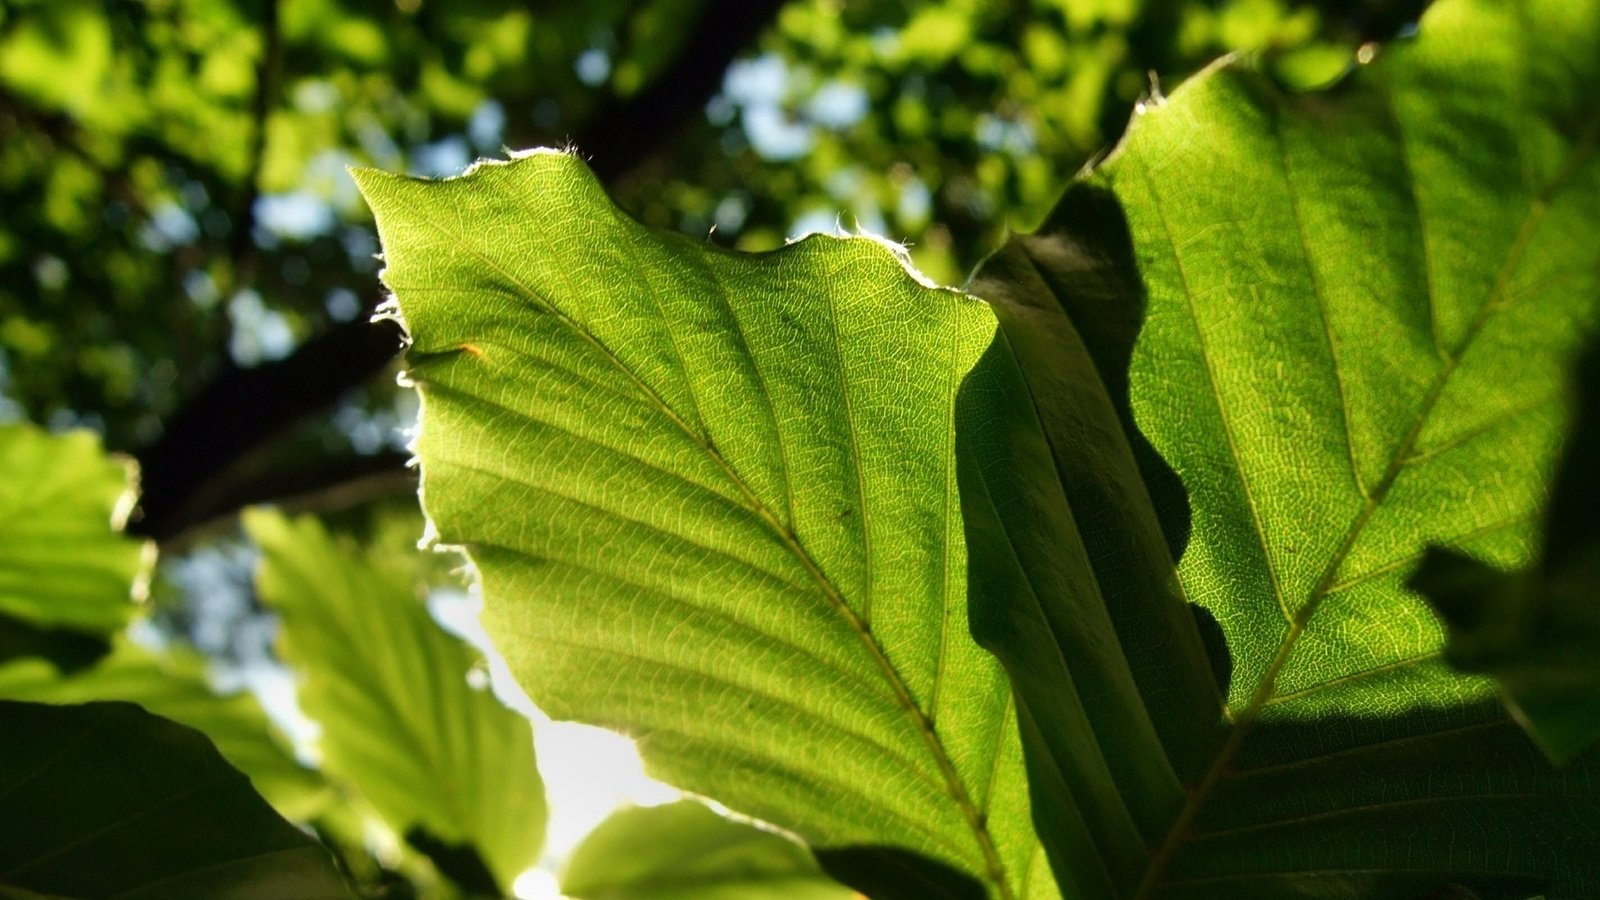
{"type": "Point", "coordinates": [1074, 525]}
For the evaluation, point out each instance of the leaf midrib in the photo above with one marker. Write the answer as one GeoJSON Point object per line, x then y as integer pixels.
{"type": "Point", "coordinates": [975, 820]}
{"type": "Point", "coordinates": [1399, 461]}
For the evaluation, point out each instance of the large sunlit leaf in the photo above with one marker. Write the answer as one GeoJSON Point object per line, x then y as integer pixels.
{"type": "Point", "coordinates": [1358, 309]}
{"type": "Point", "coordinates": [172, 684]}
{"type": "Point", "coordinates": [686, 851]}
{"type": "Point", "coordinates": [106, 800]}
{"type": "Point", "coordinates": [63, 563]}
{"type": "Point", "coordinates": [442, 760]}
{"type": "Point", "coordinates": [711, 500]}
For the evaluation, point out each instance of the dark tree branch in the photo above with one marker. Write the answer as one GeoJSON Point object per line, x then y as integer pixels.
{"type": "Point", "coordinates": [241, 246]}
{"type": "Point", "coordinates": [242, 410]}
{"type": "Point", "coordinates": [324, 485]}
{"type": "Point", "coordinates": [625, 132]}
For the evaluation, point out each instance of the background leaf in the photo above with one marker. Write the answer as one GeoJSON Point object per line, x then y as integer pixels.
{"type": "Point", "coordinates": [62, 503]}
{"type": "Point", "coordinates": [684, 851]}
{"type": "Point", "coordinates": [1360, 304]}
{"type": "Point", "coordinates": [172, 684]}
{"type": "Point", "coordinates": [436, 756]}
{"type": "Point", "coordinates": [107, 800]}
{"type": "Point", "coordinates": [711, 500]}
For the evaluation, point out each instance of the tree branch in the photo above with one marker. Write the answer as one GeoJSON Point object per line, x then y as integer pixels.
{"type": "Point", "coordinates": [625, 132]}
{"type": "Point", "coordinates": [334, 483]}
{"type": "Point", "coordinates": [242, 409]}
{"type": "Point", "coordinates": [241, 244]}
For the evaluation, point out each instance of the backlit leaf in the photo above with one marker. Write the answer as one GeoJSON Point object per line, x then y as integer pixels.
{"type": "Point", "coordinates": [686, 851]}
{"type": "Point", "coordinates": [63, 501]}
{"type": "Point", "coordinates": [711, 500]}
{"type": "Point", "coordinates": [1537, 631]}
{"type": "Point", "coordinates": [442, 761]}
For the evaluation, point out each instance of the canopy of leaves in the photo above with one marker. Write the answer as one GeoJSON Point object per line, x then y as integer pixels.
{"type": "Point", "coordinates": [941, 123]}
{"type": "Point", "coordinates": [711, 500]}
{"type": "Point", "coordinates": [107, 800]}
{"type": "Point", "coordinates": [1358, 309]}
{"type": "Point", "coordinates": [443, 762]}
{"type": "Point", "coordinates": [178, 213]}
{"type": "Point", "coordinates": [193, 150]}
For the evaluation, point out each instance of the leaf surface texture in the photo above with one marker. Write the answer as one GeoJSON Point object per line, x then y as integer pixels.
{"type": "Point", "coordinates": [711, 498]}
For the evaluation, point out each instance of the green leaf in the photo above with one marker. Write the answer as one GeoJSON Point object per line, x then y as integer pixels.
{"type": "Point", "coordinates": [685, 851]}
{"type": "Point", "coordinates": [65, 649]}
{"type": "Point", "coordinates": [1357, 307]}
{"type": "Point", "coordinates": [1071, 570]}
{"type": "Point", "coordinates": [711, 500]}
{"type": "Point", "coordinates": [63, 563]}
{"type": "Point", "coordinates": [107, 800]}
{"type": "Point", "coordinates": [1537, 631]}
{"type": "Point", "coordinates": [173, 685]}
{"type": "Point", "coordinates": [443, 762]}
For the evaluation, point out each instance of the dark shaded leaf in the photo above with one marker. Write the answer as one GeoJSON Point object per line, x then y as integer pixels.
{"type": "Point", "coordinates": [1537, 631]}
{"type": "Point", "coordinates": [173, 684]}
{"type": "Point", "coordinates": [106, 800]}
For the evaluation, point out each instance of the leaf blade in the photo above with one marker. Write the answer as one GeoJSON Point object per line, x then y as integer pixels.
{"type": "Point", "coordinates": [684, 850]}
{"type": "Point", "coordinates": [718, 446]}
{"type": "Point", "coordinates": [105, 799]}
{"type": "Point", "coordinates": [1354, 335]}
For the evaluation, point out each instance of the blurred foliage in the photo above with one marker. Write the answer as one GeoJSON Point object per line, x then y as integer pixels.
{"type": "Point", "coordinates": [402, 719]}
{"type": "Point", "coordinates": [173, 171]}
{"type": "Point", "coordinates": [63, 562]}
{"type": "Point", "coordinates": [942, 124]}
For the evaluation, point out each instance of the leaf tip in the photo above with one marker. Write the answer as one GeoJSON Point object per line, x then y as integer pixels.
{"type": "Point", "coordinates": [367, 179]}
